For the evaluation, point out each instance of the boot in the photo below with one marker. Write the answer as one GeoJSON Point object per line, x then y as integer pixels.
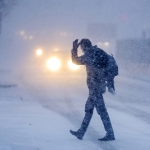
{"type": "Point", "coordinates": [107, 137]}
{"type": "Point", "coordinates": [75, 133]}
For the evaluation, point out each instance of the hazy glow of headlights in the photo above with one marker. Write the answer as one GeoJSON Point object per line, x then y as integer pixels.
{"type": "Point", "coordinates": [72, 66]}
{"type": "Point", "coordinates": [53, 64]}
{"type": "Point", "coordinates": [39, 52]}
{"type": "Point", "coordinates": [56, 49]}
{"type": "Point", "coordinates": [106, 43]}
{"type": "Point", "coordinates": [22, 32]}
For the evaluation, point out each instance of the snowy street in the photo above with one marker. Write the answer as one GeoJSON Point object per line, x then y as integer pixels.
{"type": "Point", "coordinates": [47, 50]}
{"type": "Point", "coordinates": [38, 113]}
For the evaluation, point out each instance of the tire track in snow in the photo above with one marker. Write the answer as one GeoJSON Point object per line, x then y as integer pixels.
{"type": "Point", "coordinates": [65, 108]}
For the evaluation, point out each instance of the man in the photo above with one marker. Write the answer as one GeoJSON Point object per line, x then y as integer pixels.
{"type": "Point", "coordinates": [96, 85]}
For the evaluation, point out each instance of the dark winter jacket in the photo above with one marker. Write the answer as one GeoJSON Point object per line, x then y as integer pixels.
{"type": "Point", "coordinates": [95, 77]}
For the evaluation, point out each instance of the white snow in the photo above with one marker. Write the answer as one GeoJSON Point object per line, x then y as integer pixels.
{"type": "Point", "coordinates": [26, 125]}
{"type": "Point", "coordinates": [38, 114]}
{"type": "Point", "coordinates": [37, 109]}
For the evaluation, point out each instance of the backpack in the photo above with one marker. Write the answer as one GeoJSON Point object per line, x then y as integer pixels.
{"type": "Point", "coordinates": [105, 62]}
{"type": "Point", "coordinates": [112, 67]}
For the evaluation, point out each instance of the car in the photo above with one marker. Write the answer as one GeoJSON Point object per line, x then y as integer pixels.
{"type": "Point", "coordinates": [57, 61]}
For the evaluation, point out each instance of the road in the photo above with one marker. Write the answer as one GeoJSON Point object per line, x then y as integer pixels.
{"type": "Point", "coordinates": [66, 95]}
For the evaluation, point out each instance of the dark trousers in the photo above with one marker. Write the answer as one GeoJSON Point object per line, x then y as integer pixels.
{"type": "Point", "coordinates": [95, 100]}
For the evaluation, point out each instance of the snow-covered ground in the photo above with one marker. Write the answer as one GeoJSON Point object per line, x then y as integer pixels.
{"type": "Point", "coordinates": [38, 110]}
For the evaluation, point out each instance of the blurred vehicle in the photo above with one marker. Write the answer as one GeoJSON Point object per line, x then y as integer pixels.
{"type": "Point", "coordinates": [55, 61]}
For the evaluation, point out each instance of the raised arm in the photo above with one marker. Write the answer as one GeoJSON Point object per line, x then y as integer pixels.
{"type": "Point", "coordinates": [74, 52]}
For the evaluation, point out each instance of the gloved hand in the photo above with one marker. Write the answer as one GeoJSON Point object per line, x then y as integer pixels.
{"type": "Point", "coordinates": [75, 44]}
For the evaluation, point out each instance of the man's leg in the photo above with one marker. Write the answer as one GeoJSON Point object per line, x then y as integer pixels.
{"type": "Point", "coordinates": [89, 106]}
{"type": "Point", "coordinates": [102, 111]}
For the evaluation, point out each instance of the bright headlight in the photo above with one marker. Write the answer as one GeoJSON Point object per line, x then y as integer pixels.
{"type": "Point", "coordinates": [53, 64]}
{"type": "Point", "coordinates": [39, 52]}
{"type": "Point", "coordinates": [72, 66]}
{"type": "Point", "coordinates": [106, 44]}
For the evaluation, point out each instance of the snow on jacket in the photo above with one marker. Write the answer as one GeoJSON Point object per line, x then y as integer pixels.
{"type": "Point", "coordinates": [95, 77]}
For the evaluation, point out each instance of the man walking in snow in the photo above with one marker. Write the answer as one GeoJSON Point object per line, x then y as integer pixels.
{"type": "Point", "coordinates": [96, 85]}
